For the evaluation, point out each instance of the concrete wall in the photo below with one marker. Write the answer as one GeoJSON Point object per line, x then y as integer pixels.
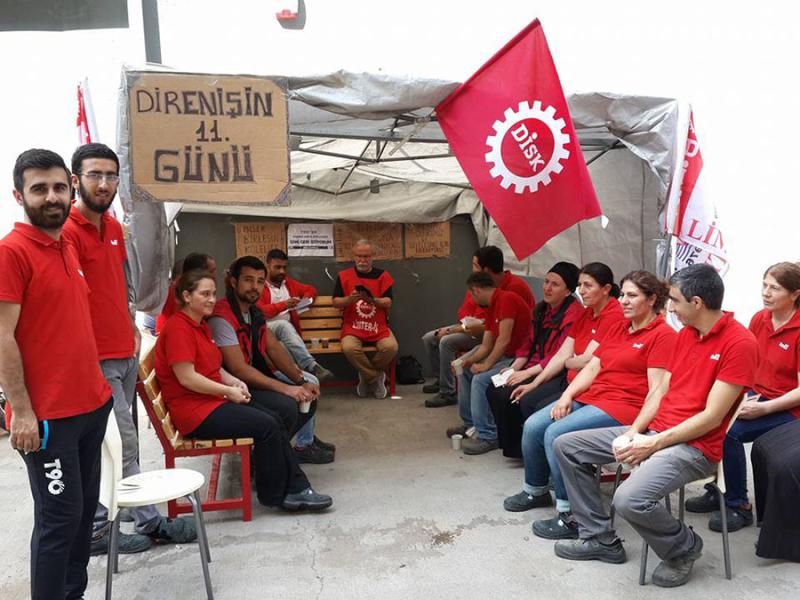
{"type": "Point", "coordinates": [427, 292]}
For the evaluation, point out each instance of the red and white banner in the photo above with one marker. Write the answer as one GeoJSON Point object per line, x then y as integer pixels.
{"type": "Point", "coordinates": [511, 132]}
{"type": "Point", "coordinates": [699, 236]}
{"type": "Point", "coordinates": [87, 129]}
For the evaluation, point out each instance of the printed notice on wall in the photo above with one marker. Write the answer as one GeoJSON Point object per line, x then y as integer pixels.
{"type": "Point", "coordinates": [218, 139]}
{"type": "Point", "coordinates": [427, 240]}
{"type": "Point", "coordinates": [310, 239]}
{"type": "Point", "coordinates": [386, 240]}
{"type": "Point", "coordinates": [256, 239]}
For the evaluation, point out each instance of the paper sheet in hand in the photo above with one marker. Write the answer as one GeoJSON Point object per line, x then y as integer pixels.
{"type": "Point", "coordinates": [301, 307]}
{"type": "Point", "coordinates": [500, 379]}
{"type": "Point", "coordinates": [470, 321]}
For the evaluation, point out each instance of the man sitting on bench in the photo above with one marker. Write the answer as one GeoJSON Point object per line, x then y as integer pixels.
{"type": "Point", "coordinates": [364, 293]}
{"type": "Point", "coordinates": [251, 353]}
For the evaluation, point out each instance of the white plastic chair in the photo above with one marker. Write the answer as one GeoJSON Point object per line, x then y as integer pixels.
{"type": "Point", "coordinates": [151, 487]}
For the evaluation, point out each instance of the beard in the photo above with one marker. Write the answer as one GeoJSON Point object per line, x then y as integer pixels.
{"type": "Point", "coordinates": [97, 206]}
{"type": "Point", "coordinates": [46, 220]}
{"type": "Point", "coordinates": [248, 297]}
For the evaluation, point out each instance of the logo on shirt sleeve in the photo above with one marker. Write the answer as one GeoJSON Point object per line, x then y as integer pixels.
{"type": "Point", "coordinates": [638, 346]}
{"type": "Point", "coordinates": [114, 242]}
{"type": "Point", "coordinates": [783, 345]}
{"type": "Point", "coordinates": [714, 357]}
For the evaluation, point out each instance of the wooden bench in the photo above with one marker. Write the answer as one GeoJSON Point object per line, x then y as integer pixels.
{"type": "Point", "coordinates": [322, 333]}
{"type": "Point", "coordinates": [176, 446]}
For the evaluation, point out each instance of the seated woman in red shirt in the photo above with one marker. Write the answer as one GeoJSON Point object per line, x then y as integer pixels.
{"type": "Point", "coordinates": [571, 349]}
{"type": "Point", "coordinates": [608, 392]}
{"type": "Point", "coordinates": [776, 389]}
{"type": "Point", "coordinates": [206, 402]}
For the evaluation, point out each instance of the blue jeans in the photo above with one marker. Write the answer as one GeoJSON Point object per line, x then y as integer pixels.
{"type": "Point", "coordinates": [538, 435]}
{"type": "Point", "coordinates": [294, 344]}
{"type": "Point", "coordinates": [473, 406]}
{"type": "Point", "coordinates": [304, 437]}
{"type": "Point", "coordinates": [734, 462]}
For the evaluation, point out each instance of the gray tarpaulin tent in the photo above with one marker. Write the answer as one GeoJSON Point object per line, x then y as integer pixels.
{"type": "Point", "coordinates": [347, 139]}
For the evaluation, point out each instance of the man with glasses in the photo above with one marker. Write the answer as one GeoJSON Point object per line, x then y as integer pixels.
{"type": "Point", "coordinates": [100, 244]}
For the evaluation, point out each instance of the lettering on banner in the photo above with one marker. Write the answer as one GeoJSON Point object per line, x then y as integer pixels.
{"type": "Point", "coordinates": [386, 240]}
{"type": "Point", "coordinates": [427, 240]}
{"type": "Point", "coordinates": [258, 238]}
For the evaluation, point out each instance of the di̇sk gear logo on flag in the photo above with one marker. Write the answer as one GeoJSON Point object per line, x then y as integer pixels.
{"type": "Point", "coordinates": [365, 310]}
{"type": "Point", "coordinates": [518, 134]}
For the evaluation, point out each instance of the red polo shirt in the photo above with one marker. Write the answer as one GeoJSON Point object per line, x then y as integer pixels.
{"type": "Point", "coordinates": [512, 283]}
{"type": "Point", "coordinates": [779, 356]}
{"type": "Point", "coordinates": [54, 331]}
{"type": "Point", "coordinates": [621, 385]}
{"type": "Point", "coordinates": [470, 309]}
{"type": "Point", "coordinates": [102, 256]}
{"type": "Point", "coordinates": [591, 328]}
{"type": "Point", "coordinates": [727, 353]}
{"type": "Point", "coordinates": [508, 305]}
{"type": "Point", "coordinates": [184, 340]}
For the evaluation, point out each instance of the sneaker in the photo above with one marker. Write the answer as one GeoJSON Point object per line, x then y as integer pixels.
{"type": "Point", "coordinates": [313, 455]}
{"type": "Point", "coordinates": [708, 502]}
{"type": "Point", "coordinates": [363, 387]}
{"type": "Point", "coordinates": [180, 530]}
{"type": "Point", "coordinates": [441, 399]}
{"type": "Point", "coordinates": [474, 446]}
{"type": "Point", "coordinates": [457, 430]}
{"type": "Point", "coordinates": [380, 387]}
{"type": "Point", "coordinates": [562, 527]}
{"type": "Point", "coordinates": [525, 501]}
{"type": "Point", "coordinates": [307, 499]}
{"type": "Point", "coordinates": [322, 373]}
{"type": "Point", "coordinates": [736, 517]}
{"type": "Point", "coordinates": [324, 445]}
{"type": "Point", "coordinates": [128, 543]}
{"type": "Point", "coordinates": [591, 549]}
{"type": "Point", "coordinates": [431, 388]}
{"type": "Point", "coordinates": [676, 571]}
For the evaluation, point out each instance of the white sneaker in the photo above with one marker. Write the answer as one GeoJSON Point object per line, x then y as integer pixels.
{"type": "Point", "coordinates": [380, 387]}
{"type": "Point", "coordinates": [363, 387]}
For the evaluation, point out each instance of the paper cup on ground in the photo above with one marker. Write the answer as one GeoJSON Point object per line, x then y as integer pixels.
{"type": "Point", "coordinates": [305, 407]}
{"type": "Point", "coordinates": [456, 439]}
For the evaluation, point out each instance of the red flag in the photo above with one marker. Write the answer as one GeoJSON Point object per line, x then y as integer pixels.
{"type": "Point", "coordinates": [511, 132]}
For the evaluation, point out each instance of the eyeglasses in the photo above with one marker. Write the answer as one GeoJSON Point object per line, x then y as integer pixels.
{"type": "Point", "coordinates": [98, 177]}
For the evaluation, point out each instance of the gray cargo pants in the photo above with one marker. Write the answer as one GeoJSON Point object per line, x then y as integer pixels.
{"type": "Point", "coordinates": [638, 499]}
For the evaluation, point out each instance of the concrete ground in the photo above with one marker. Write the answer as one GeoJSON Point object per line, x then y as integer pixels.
{"type": "Point", "coordinates": [411, 519]}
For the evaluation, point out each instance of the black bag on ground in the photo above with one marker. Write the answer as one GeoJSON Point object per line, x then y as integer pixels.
{"type": "Point", "coordinates": [409, 371]}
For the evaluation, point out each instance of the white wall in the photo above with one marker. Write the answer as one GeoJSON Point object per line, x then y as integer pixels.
{"type": "Point", "coordinates": [735, 62]}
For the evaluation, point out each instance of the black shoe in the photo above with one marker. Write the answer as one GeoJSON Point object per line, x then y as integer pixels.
{"type": "Point", "coordinates": [737, 518]}
{"type": "Point", "coordinates": [676, 571]}
{"type": "Point", "coordinates": [525, 501]}
{"type": "Point", "coordinates": [441, 400]}
{"type": "Point", "coordinates": [431, 388]}
{"type": "Point", "coordinates": [457, 430]}
{"type": "Point", "coordinates": [591, 549]}
{"type": "Point", "coordinates": [307, 499]}
{"type": "Point", "coordinates": [321, 373]}
{"type": "Point", "coordinates": [313, 454]}
{"type": "Point", "coordinates": [324, 445]}
{"type": "Point", "coordinates": [562, 527]}
{"type": "Point", "coordinates": [127, 543]}
{"type": "Point", "coordinates": [708, 502]}
{"type": "Point", "coordinates": [180, 530]}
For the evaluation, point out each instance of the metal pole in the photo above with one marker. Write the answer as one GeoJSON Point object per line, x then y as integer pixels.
{"type": "Point", "coordinates": [152, 37]}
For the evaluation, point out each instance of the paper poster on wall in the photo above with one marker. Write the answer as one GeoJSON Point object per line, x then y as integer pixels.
{"type": "Point", "coordinates": [386, 240]}
{"type": "Point", "coordinates": [256, 239]}
{"type": "Point", "coordinates": [427, 240]}
{"type": "Point", "coordinates": [310, 239]}
{"type": "Point", "coordinates": [219, 139]}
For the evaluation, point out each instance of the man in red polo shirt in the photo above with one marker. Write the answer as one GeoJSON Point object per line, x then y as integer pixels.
{"type": "Point", "coordinates": [58, 400]}
{"type": "Point", "coordinates": [508, 327]}
{"type": "Point", "coordinates": [100, 244]}
{"type": "Point", "coordinates": [676, 439]}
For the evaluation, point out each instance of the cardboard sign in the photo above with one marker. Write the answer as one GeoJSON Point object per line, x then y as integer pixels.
{"type": "Point", "coordinates": [219, 139]}
{"type": "Point", "coordinates": [256, 239]}
{"type": "Point", "coordinates": [386, 240]}
{"type": "Point", "coordinates": [427, 240]}
{"type": "Point", "coordinates": [310, 239]}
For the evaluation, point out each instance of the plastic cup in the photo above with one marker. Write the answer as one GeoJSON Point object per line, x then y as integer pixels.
{"type": "Point", "coordinates": [457, 367]}
{"type": "Point", "coordinates": [621, 442]}
{"type": "Point", "coordinates": [325, 342]}
{"type": "Point", "coordinates": [456, 440]}
{"type": "Point", "coordinates": [305, 407]}
{"type": "Point", "coordinates": [315, 342]}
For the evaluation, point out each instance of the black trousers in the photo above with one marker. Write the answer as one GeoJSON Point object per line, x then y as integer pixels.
{"type": "Point", "coordinates": [65, 483]}
{"type": "Point", "coordinates": [511, 417]}
{"type": "Point", "coordinates": [283, 407]}
{"type": "Point", "coordinates": [276, 468]}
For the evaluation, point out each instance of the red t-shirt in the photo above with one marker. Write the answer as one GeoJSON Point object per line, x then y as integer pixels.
{"type": "Point", "coordinates": [54, 331]}
{"type": "Point", "coordinates": [591, 328]}
{"type": "Point", "coordinates": [512, 283]}
{"type": "Point", "coordinates": [184, 340]}
{"type": "Point", "coordinates": [621, 385]}
{"type": "Point", "coordinates": [508, 305]}
{"type": "Point", "coordinates": [779, 356]}
{"type": "Point", "coordinates": [170, 308]}
{"type": "Point", "coordinates": [470, 309]}
{"type": "Point", "coordinates": [728, 353]}
{"type": "Point", "coordinates": [102, 259]}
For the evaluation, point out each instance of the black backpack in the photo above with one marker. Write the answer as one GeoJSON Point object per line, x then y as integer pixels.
{"type": "Point", "coordinates": [409, 371]}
